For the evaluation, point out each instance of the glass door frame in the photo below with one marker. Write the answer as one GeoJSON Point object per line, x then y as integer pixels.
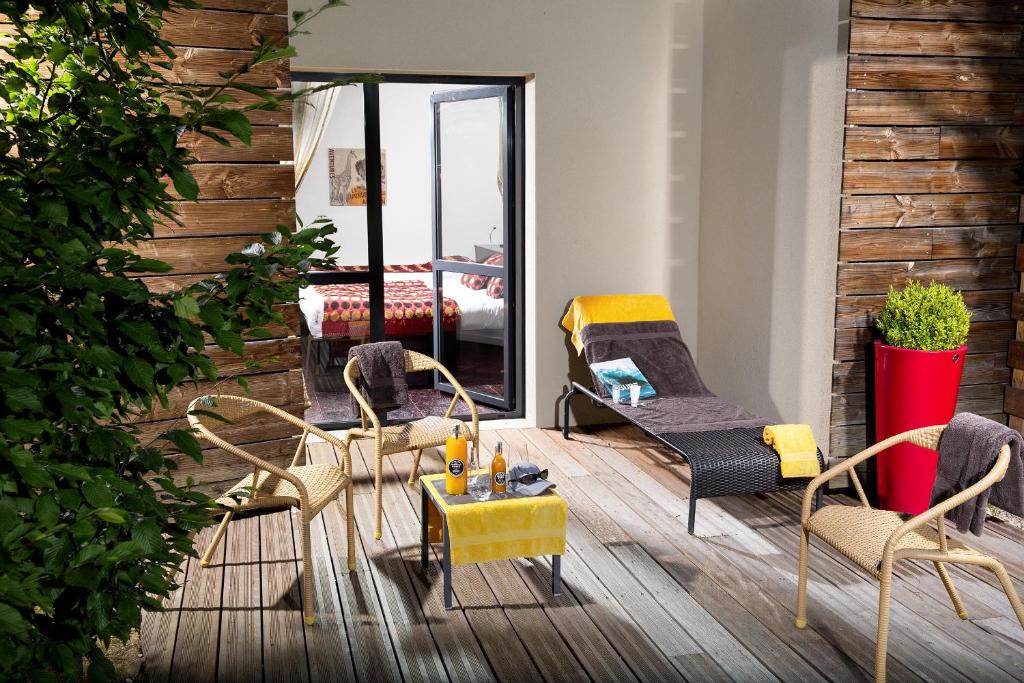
{"type": "Point", "coordinates": [374, 275]}
{"type": "Point", "coordinates": [509, 111]}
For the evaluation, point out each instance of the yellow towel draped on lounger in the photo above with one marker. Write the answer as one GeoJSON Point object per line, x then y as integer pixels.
{"type": "Point", "coordinates": [798, 452]}
{"type": "Point", "coordinates": [613, 308]}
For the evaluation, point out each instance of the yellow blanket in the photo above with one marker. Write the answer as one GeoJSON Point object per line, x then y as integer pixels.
{"type": "Point", "coordinates": [613, 308]}
{"type": "Point", "coordinates": [498, 529]}
{"type": "Point", "coordinates": [798, 452]}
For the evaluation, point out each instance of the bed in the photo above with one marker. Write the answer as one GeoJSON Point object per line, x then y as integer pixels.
{"type": "Point", "coordinates": [343, 311]}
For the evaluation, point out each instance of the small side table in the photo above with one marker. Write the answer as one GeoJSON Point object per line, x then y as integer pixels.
{"type": "Point", "coordinates": [546, 514]}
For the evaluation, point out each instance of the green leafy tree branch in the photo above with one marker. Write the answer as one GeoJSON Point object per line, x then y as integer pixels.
{"type": "Point", "coordinates": [92, 526]}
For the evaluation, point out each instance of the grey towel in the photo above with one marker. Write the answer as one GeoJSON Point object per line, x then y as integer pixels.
{"type": "Point", "coordinates": [967, 452]}
{"type": "Point", "coordinates": [683, 403]}
{"type": "Point", "coordinates": [381, 378]}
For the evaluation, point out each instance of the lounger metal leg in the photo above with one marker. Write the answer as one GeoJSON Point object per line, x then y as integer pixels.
{"type": "Point", "coordinates": [819, 496]}
{"type": "Point", "coordinates": [693, 513]}
{"type": "Point", "coordinates": [565, 412]}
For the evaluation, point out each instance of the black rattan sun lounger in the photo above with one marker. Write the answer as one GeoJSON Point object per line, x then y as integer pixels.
{"type": "Point", "coordinates": [721, 442]}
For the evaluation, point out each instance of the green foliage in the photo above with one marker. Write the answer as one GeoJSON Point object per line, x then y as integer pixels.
{"type": "Point", "coordinates": [932, 318]}
{"type": "Point", "coordinates": [91, 524]}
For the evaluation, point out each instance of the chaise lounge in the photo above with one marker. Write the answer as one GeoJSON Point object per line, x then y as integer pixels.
{"type": "Point", "coordinates": [722, 442]}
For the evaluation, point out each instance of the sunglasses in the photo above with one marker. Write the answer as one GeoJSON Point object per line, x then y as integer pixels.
{"type": "Point", "coordinates": [529, 478]}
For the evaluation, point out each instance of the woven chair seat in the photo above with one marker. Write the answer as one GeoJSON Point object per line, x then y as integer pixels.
{"type": "Point", "coordinates": [423, 433]}
{"type": "Point", "coordinates": [861, 533]}
{"type": "Point", "coordinates": [323, 484]}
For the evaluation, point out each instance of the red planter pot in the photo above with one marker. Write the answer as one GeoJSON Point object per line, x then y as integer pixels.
{"type": "Point", "coordinates": [912, 389]}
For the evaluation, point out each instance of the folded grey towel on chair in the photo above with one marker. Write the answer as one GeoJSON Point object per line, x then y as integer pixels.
{"type": "Point", "coordinates": [381, 380]}
{"type": "Point", "coordinates": [967, 451]}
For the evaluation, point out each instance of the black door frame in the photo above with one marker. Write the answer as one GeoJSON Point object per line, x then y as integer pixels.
{"type": "Point", "coordinates": [513, 270]}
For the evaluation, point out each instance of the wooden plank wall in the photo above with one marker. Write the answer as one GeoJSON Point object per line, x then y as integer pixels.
{"type": "Point", "coordinates": [244, 191]}
{"type": "Point", "coordinates": [934, 136]}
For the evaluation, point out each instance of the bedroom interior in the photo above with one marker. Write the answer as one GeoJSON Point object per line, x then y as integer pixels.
{"type": "Point", "coordinates": [446, 206]}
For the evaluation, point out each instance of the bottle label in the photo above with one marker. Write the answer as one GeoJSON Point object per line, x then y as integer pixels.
{"type": "Point", "coordinates": [500, 478]}
{"type": "Point", "coordinates": [456, 467]}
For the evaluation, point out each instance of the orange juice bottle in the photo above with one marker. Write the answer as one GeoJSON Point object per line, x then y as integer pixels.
{"type": "Point", "coordinates": [455, 464]}
{"type": "Point", "coordinates": [499, 473]}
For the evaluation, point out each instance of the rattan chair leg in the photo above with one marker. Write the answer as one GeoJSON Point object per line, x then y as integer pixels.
{"type": "Point", "coordinates": [801, 584]}
{"type": "Point", "coordinates": [1011, 593]}
{"type": "Point", "coordinates": [415, 465]}
{"type": "Point", "coordinates": [882, 641]}
{"type": "Point", "coordinates": [958, 604]}
{"type": "Point", "coordinates": [307, 574]}
{"type": "Point", "coordinates": [208, 555]}
{"type": "Point", "coordinates": [377, 482]}
{"type": "Point", "coordinates": [350, 526]}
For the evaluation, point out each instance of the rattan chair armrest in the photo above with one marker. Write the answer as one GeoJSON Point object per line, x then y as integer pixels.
{"type": "Point", "coordinates": [464, 396]}
{"type": "Point", "coordinates": [847, 465]}
{"type": "Point", "coordinates": [938, 511]}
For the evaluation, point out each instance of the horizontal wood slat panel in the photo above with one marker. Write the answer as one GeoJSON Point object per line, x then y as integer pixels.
{"type": "Point", "coordinates": [882, 36]}
{"type": "Point", "coordinates": [259, 428]}
{"type": "Point", "coordinates": [1013, 402]}
{"type": "Point", "coordinates": [280, 116]}
{"type": "Point", "coordinates": [875, 278]}
{"type": "Point", "coordinates": [1019, 265]}
{"type": "Point", "coordinates": [277, 388]}
{"type": "Point", "coordinates": [169, 283]}
{"type": "Point", "coordinates": [964, 74]}
{"type": "Point", "coordinates": [985, 306]}
{"type": "Point", "coordinates": [1017, 306]}
{"type": "Point", "coordinates": [886, 244]}
{"type": "Point", "coordinates": [268, 143]}
{"type": "Point", "coordinates": [849, 440]}
{"type": "Point", "coordinates": [895, 108]}
{"type": "Point", "coordinates": [219, 470]}
{"type": "Point", "coordinates": [290, 313]}
{"type": "Point", "coordinates": [243, 181]}
{"type": "Point", "coordinates": [260, 6]}
{"type": "Point", "coordinates": [984, 337]}
{"type": "Point", "coordinates": [204, 66]}
{"type": "Point", "coordinates": [890, 143]}
{"type": "Point", "coordinates": [212, 28]}
{"type": "Point", "coordinates": [979, 368]}
{"type": "Point", "coordinates": [188, 255]}
{"type": "Point", "coordinates": [1015, 356]}
{"type": "Point", "coordinates": [889, 211]}
{"type": "Point", "coordinates": [272, 355]}
{"type": "Point", "coordinates": [983, 399]}
{"type": "Point", "coordinates": [909, 177]}
{"type": "Point", "coordinates": [964, 10]}
{"type": "Point", "coordinates": [229, 217]}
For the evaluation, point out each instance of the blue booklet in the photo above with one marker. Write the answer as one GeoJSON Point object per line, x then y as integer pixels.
{"type": "Point", "coordinates": [621, 372]}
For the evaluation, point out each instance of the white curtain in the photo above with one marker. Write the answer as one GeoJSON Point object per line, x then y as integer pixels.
{"type": "Point", "coordinates": [312, 113]}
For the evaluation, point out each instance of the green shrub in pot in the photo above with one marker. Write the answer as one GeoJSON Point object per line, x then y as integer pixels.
{"type": "Point", "coordinates": [932, 318]}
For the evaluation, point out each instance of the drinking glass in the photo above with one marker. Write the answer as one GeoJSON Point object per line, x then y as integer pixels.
{"type": "Point", "coordinates": [634, 395]}
{"type": "Point", "coordinates": [479, 484]}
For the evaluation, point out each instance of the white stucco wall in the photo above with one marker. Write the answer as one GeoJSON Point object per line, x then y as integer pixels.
{"type": "Point", "coordinates": [613, 138]}
{"type": "Point", "coordinates": [774, 76]}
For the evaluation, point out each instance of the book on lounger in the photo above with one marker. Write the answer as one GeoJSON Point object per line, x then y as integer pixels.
{"type": "Point", "coordinates": [621, 372]}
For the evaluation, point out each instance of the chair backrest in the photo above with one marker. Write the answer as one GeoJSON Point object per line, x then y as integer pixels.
{"type": "Point", "coordinates": [414, 362]}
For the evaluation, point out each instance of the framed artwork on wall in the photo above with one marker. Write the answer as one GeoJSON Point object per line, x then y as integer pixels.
{"type": "Point", "coordinates": [346, 168]}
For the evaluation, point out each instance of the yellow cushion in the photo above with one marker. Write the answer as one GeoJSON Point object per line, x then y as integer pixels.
{"type": "Point", "coordinates": [613, 308]}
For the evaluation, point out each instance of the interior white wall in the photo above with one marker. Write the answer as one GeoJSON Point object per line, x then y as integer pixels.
{"type": "Point", "coordinates": [774, 78]}
{"type": "Point", "coordinates": [613, 120]}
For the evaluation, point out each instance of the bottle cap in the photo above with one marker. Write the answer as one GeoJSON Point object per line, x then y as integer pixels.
{"type": "Point", "coordinates": [456, 431]}
{"type": "Point", "coordinates": [497, 449]}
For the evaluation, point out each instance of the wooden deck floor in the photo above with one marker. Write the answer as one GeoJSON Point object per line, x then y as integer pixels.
{"type": "Point", "coordinates": [642, 600]}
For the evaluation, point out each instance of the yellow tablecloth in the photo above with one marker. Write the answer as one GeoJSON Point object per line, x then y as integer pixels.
{"type": "Point", "coordinates": [497, 529]}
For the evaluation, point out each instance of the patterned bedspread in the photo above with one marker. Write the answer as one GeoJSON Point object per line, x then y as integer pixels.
{"type": "Point", "coordinates": [408, 309]}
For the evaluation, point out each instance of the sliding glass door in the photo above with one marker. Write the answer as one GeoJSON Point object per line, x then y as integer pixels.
{"type": "Point", "coordinates": [474, 264]}
{"type": "Point", "coordinates": [422, 177]}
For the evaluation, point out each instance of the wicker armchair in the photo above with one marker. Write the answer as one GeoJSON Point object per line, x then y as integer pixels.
{"type": "Point", "coordinates": [427, 432]}
{"type": "Point", "coordinates": [875, 539]}
{"type": "Point", "coordinates": [309, 487]}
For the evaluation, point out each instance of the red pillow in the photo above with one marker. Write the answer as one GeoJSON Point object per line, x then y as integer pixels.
{"type": "Point", "coordinates": [496, 288]}
{"type": "Point", "coordinates": [473, 281]}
